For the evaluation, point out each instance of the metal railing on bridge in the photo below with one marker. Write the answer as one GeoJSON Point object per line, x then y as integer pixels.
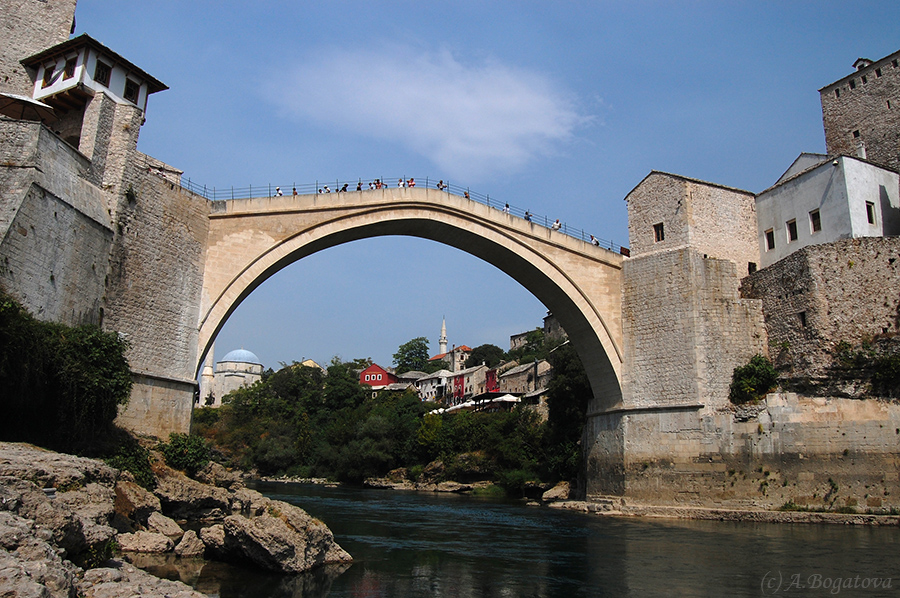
{"type": "Point", "coordinates": [324, 187]}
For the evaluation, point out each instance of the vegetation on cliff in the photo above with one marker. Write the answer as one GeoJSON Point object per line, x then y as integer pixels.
{"type": "Point", "coordinates": [61, 385]}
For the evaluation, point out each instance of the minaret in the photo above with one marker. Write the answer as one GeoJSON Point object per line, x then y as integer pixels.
{"type": "Point", "coordinates": [207, 377]}
{"type": "Point", "coordinates": [442, 342]}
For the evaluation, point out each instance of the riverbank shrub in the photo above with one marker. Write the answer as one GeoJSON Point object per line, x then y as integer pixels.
{"type": "Point", "coordinates": [751, 382]}
{"type": "Point", "coordinates": [130, 456]}
{"type": "Point", "coordinates": [186, 452]}
{"type": "Point", "coordinates": [62, 386]}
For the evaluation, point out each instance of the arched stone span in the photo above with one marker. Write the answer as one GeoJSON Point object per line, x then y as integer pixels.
{"type": "Point", "coordinates": [252, 239]}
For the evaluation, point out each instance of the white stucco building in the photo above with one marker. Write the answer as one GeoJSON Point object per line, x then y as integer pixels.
{"type": "Point", "coordinates": [821, 199]}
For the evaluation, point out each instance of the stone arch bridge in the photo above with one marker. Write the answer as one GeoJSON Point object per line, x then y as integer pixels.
{"type": "Point", "coordinates": [251, 239]}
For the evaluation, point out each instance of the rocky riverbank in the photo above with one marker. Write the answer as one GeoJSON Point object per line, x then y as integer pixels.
{"type": "Point", "coordinates": [68, 525]}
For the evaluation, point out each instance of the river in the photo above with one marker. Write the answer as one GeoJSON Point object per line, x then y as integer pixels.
{"type": "Point", "coordinates": [409, 544]}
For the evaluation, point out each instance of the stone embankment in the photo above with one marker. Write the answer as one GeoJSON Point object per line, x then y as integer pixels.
{"type": "Point", "coordinates": [61, 517]}
{"type": "Point", "coordinates": [618, 507]}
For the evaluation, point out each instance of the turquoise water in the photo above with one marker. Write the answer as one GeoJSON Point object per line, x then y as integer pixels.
{"type": "Point", "coordinates": [417, 544]}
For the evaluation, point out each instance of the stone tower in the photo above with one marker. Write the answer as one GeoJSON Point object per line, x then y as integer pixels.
{"type": "Point", "coordinates": [861, 112]}
{"type": "Point", "coordinates": [442, 342]}
{"type": "Point", "coordinates": [26, 28]}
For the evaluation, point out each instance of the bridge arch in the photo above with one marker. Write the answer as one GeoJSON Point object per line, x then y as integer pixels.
{"type": "Point", "coordinates": [252, 239]}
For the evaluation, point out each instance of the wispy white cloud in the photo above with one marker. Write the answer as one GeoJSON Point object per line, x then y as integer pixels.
{"type": "Point", "coordinates": [469, 120]}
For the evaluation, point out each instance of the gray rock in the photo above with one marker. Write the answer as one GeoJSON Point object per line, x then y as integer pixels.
{"type": "Point", "coordinates": [284, 539]}
{"type": "Point", "coordinates": [145, 542]}
{"type": "Point", "coordinates": [215, 474]}
{"type": "Point", "coordinates": [52, 470]}
{"type": "Point", "coordinates": [249, 503]}
{"type": "Point", "coordinates": [159, 523]}
{"type": "Point", "coordinates": [29, 565]}
{"type": "Point", "coordinates": [558, 492]}
{"type": "Point", "coordinates": [213, 538]}
{"type": "Point", "coordinates": [27, 500]}
{"type": "Point", "coordinates": [126, 581]}
{"type": "Point", "coordinates": [184, 498]}
{"type": "Point", "coordinates": [134, 502]}
{"type": "Point", "coordinates": [191, 545]}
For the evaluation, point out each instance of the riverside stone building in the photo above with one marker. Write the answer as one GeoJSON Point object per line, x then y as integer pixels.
{"type": "Point", "coordinates": [696, 304]}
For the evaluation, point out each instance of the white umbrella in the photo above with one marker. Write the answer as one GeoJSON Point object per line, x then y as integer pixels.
{"type": "Point", "coordinates": [25, 108]}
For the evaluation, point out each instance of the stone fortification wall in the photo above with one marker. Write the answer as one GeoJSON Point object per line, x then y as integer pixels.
{"type": "Point", "coordinates": [861, 113]}
{"type": "Point", "coordinates": [154, 295]}
{"type": "Point", "coordinates": [55, 233]}
{"type": "Point", "coordinates": [26, 28]}
{"type": "Point", "coordinates": [685, 328]}
{"type": "Point", "coordinates": [815, 452]}
{"type": "Point", "coordinates": [715, 220]}
{"type": "Point", "coordinates": [824, 294]}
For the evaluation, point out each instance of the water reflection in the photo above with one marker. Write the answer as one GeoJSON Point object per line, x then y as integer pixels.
{"type": "Point", "coordinates": [416, 544]}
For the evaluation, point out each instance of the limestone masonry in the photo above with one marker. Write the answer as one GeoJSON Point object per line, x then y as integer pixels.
{"type": "Point", "coordinates": [92, 230]}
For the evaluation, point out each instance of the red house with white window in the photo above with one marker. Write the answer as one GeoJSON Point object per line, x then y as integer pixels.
{"type": "Point", "coordinates": [377, 377]}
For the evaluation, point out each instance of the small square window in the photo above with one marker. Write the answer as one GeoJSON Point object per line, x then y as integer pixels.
{"type": "Point", "coordinates": [852, 84]}
{"type": "Point", "coordinates": [864, 79]}
{"type": "Point", "coordinates": [658, 232]}
{"type": "Point", "coordinates": [70, 68]}
{"type": "Point", "coordinates": [791, 227]}
{"type": "Point", "coordinates": [101, 73]}
{"type": "Point", "coordinates": [894, 63]}
{"type": "Point", "coordinates": [856, 134]}
{"type": "Point", "coordinates": [802, 316]}
{"type": "Point", "coordinates": [815, 221]}
{"type": "Point", "coordinates": [48, 76]}
{"type": "Point", "coordinates": [870, 212]}
{"type": "Point", "coordinates": [877, 73]}
{"type": "Point", "coordinates": [837, 92]}
{"type": "Point", "coordinates": [770, 240]}
{"type": "Point", "coordinates": [131, 91]}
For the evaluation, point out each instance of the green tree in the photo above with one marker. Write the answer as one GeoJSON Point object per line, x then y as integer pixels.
{"type": "Point", "coordinates": [61, 385]}
{"type": "Point", "coordinates": [567, 396]}
{"type": "Point", "coordinates": [490, 355]}
{"type": "Point", "coordinates": [412, 355]}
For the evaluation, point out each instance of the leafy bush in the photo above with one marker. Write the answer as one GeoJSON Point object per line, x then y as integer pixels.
{"type": "Point", "coordinates": [751, 382]}
{"type": "Point", "coordinates": [185, 452]}
{"type": "Point", "coordinates": [134, 458]}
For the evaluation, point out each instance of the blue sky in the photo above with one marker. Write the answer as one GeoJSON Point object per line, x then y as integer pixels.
{"type": "Point", "coordinates": [560, 108]}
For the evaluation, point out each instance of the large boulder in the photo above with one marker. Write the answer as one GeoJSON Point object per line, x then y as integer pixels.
{"type": "Point", "coordinates": [134, 503]}
{"type": "Point", "coordinates": [25, 499]}
{"type": "Point", "coordinates": [29, 565]}
{"type": "Point", "coordinates": [159, 523]}
{"type": "Point", "coordinates": [143, 541]}
{"type": "Point", "coordinates": [559, 492]}
{"type": "Point", "coordinates": [285, 538]}
{"type": "Point", "coordinates": [249, 503]}
{"type": "Point", "coordinates": [191, 545]}
{"type": "Point", "coordinates": [122, 580]}
{"type": "Point", "coordinates": [213, 538]}
{"type": "Point", "coordinates": [215, 474]}
{"type": "Point", "coordinates": [48, 469]}
{"type": "Point", "coordinates": [184, 498]}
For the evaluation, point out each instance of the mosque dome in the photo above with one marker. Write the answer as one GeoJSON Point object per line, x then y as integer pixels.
{"type": "Point", "coordinates": [241, 356]}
